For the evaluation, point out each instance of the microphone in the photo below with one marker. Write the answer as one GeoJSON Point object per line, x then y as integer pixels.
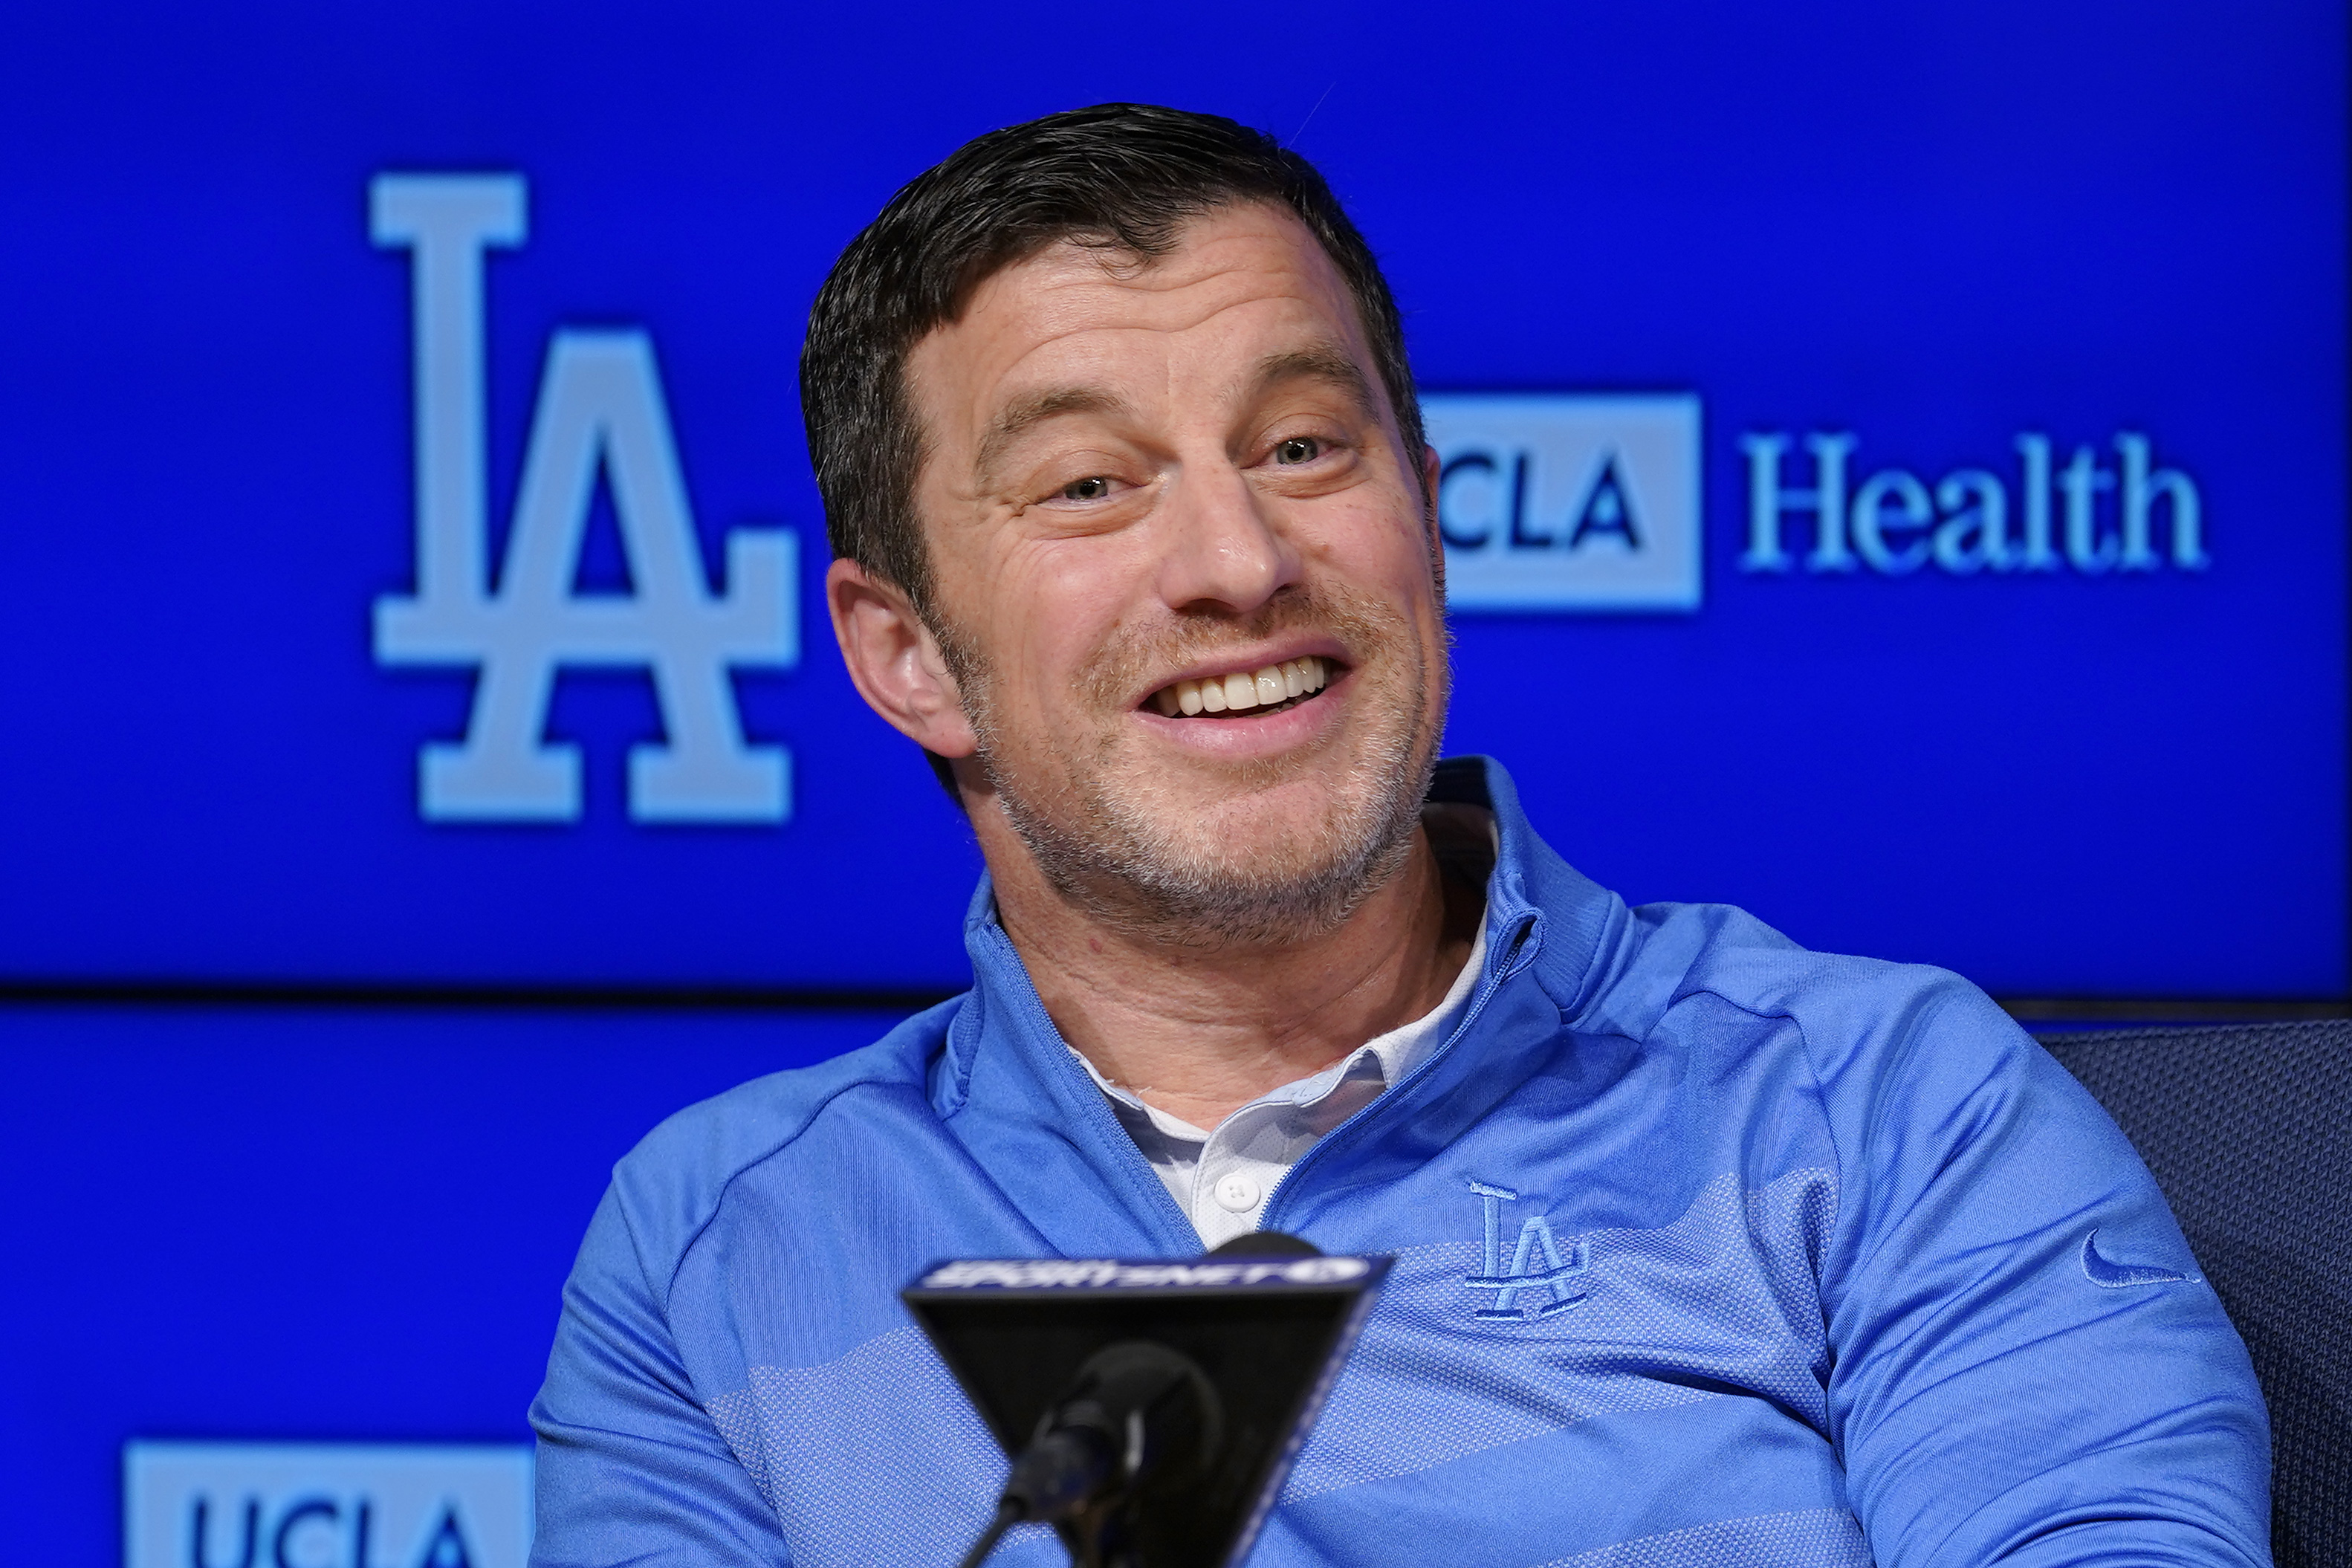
{"type": "Point", "coordinates": [1151, 1409]}
{"type": "Point", "coordinates": [1138, 1414]}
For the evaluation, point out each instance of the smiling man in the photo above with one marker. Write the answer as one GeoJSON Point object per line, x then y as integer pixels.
{"type": "Point", "coordinates": [1709, 1250]}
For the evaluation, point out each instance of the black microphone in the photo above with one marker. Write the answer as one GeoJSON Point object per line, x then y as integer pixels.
{"type": "Point", "coordinates": [1138, 1414]}
{"type": "Point", "coordinates": [1150, 1408]}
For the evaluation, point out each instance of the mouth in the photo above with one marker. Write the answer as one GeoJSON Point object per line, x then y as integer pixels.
{"type": "Point", "coordinates": [1268, 689]}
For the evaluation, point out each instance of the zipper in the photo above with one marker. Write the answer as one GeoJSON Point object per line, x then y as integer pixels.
{"type": "Point", "coordinates": [1505, 970]}
{"type": "Point", "coordinates": [1095, 1107]}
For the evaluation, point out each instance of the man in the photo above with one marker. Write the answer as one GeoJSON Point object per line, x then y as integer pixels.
{"type": "Point", "coordinates": [1135, 537]}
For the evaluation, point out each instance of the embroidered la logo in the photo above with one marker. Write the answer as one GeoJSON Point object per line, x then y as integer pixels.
{"type": "Point", "coordinates": [1547, 1281]}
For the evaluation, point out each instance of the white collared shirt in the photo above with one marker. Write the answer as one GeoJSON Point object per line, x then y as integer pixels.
{"type": "Point", "coordinates": [1222, 1179]}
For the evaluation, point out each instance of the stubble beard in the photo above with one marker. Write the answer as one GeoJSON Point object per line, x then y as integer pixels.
{"type": "Point", "coordinates": [1123, 846]}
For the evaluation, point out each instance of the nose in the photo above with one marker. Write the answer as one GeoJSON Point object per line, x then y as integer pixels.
{"type": "Point", "coordinates": [1223, 553]}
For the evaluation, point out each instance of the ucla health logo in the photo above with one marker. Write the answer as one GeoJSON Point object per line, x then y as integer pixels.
{"type": "Point", "coordinates": [1569, 502]}
{"type": "Point", "coordinates": [325, 1505]}
{"type": "Point", "coordinates": [600, 413]}
{"type": "Point", "coordinates": [1591, 502]}
{"type": "Point", "coordinates": [2081, 515]}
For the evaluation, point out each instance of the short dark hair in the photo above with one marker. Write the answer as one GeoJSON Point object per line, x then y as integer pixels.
{"type": "Point", "coordinates": [1126, 176]}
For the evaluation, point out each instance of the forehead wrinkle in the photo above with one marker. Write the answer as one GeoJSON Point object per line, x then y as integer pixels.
{"type": "Point", "coordinates": [1074, 279]}
{"type": "Point", "coordinates": [1071, 281]}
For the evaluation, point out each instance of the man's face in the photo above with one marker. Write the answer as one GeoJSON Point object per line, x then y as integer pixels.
{"type": "Point", "coordinates": [1184, 573]}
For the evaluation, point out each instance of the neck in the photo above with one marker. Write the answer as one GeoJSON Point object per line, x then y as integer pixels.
{"type": "Point", "coordinates": [1200, 1032]}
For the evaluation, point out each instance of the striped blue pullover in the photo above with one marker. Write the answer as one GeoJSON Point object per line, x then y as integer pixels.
{"type": "Point", "coordinates": [1843, 1268]}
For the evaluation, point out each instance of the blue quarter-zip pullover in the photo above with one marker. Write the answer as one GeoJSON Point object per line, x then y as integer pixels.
{"type": "Point", "coordinates": [1840, 1267]}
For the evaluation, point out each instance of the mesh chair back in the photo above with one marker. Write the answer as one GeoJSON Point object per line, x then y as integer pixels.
{"type": "Point", "coordinates": [2248, 1129]}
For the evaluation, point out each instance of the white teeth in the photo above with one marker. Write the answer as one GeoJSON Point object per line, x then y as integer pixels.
{"type": "Point", "coordinates": [1244, 689]}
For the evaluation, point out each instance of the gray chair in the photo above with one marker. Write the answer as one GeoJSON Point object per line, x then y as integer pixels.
{"type": "Point", "coordinates": [2248, 1128]}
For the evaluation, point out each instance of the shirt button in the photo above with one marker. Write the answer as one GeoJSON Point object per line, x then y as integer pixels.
{"type": "Point", "coordinates": [1237, 1193]}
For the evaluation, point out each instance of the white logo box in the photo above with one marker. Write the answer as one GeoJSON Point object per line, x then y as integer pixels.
{"type": "Point", "coordinates": [1569, 501]}
{"type": "Point", "coordinates": [325, 1505]}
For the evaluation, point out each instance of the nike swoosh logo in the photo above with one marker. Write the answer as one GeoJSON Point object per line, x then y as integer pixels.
{"type": "Point", "coordinates": [2109, 1275]}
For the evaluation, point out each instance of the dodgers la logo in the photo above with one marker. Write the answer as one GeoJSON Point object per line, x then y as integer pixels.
{"type": "Point", "coordinates": [1548, 1282]}
{"type": "Point", "coordinates": [600, 413]}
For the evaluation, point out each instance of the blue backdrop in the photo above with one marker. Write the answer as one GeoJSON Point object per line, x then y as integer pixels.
{"type": "Point", "coordinates": [1934, 228]}
{"type": "Point", "coordinates": [308, 1225]}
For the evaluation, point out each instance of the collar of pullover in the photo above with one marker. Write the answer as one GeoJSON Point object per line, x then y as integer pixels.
{"type": "Point", "coordinates": [1024, 1104]}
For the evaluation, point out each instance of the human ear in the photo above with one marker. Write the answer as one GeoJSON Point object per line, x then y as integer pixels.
{"type": "Point", "coordinates": [894, 662]}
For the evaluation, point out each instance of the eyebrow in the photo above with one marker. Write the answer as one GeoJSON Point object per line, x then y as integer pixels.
{"type": "Point", "coordinates": [1027, 411]}
{"type": "Point", "coordinates": [1325, 362]}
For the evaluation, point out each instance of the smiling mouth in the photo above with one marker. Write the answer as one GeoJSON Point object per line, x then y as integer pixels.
{"type": "Point", "coordinates": [1268, 689]}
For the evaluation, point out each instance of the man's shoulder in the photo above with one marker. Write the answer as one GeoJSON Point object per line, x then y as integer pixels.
{"type": "Point", "coordinates": [1878, 1039]}
{"type": "Point", "coordinates": [673, 1180]}
{"type": "Point", "coordinates": [1710, 959]}
{"type": "Point", "coordinates": [1738, 957]}
{"type": "Point", "coordinates": [1631, 971]}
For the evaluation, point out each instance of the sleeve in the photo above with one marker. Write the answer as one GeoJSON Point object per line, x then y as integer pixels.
{"type": "Point", "coordinates": [631, 1468]}
{"type": "Point", "coordinates": [2029, 1368]}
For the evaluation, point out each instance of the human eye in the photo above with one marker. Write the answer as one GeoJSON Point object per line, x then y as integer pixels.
{"type": "Point", "coordinates": [1306, 453]}
{"type": "Point", "coordinates": [1097, 496]}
